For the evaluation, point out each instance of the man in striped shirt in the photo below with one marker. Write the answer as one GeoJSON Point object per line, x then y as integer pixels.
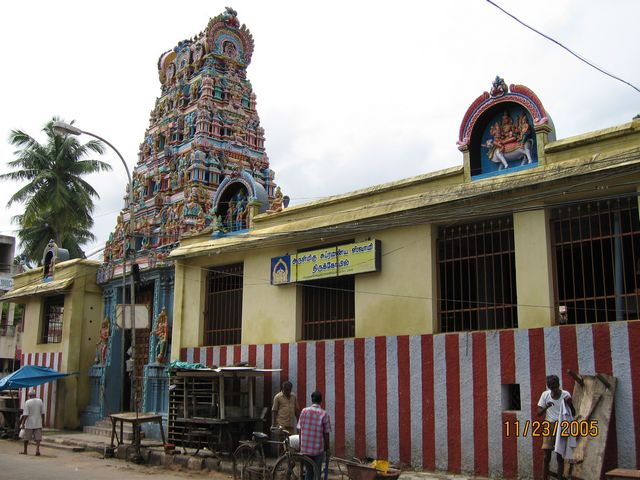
{"type": "Point", "coordinates": [314, 426]}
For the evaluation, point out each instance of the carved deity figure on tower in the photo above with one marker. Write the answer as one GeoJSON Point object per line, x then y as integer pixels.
{"type": "Point", "coordinates": [103, 342]}
{"type": "Point", "coordinates": [162, 334]}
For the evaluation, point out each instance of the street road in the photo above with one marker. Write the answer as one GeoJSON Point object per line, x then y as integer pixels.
{"type": "Point", "coordinates": [56, 464]}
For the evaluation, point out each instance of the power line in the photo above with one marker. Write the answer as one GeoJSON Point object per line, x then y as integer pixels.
{"type": "Point", "coordinates": [578, 56]}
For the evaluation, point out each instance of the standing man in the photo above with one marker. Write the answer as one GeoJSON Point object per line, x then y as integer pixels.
{"type": "Point", "coordinates": [314, 426]}
{"type": "Point", "coordinates": [285, 409]}
{"type": "Point", "coordinates": [32, 420]}
{"type": "Point", "coordinates": [550, 404]}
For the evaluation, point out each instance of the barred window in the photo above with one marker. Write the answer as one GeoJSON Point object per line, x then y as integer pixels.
{"type": "Point", "coordinates": [223, 306]}
{"type": "Point", "coordinates": [328, 308]}
{"type": "Point", "coordinates": [477, 278]}
{"type": "Point", "coordinates": [597, 260]}
{"type": "Point", "coordinates": [52, 321]}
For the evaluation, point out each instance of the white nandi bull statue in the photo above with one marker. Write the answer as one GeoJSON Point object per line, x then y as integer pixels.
{"type": "Point", "coordinates": [521, 152]}
{"type": "Point", "coordinates": [510, 141]}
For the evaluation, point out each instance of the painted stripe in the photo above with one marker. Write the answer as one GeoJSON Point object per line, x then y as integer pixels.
{"type": "Point", "coordinates": [541, 345]}
{"type": "Point", "coordinates": [602, 348]}
{"type": "Point", "coordinates": [330, 386]}
{"type": "Point", "coordinates": [360, 399]}
{"type": "Point", "coordinates": [321, 373]}
{"type": "Point", "coordinates": [370, 386]}
{"type": "Point", "coordinates": [260, 380]}
{"type": "Point", "coordinates": [190, 355]}
{"type": "Point", "coordinates": [382, 449]}
{"type": "Point", "coordinates": [251, 356]}
{"type": "Point", "coordinates": [634, 361]}
{"type": "Point", "coordinates": [569, 352]}
{"type": "Point", "coordinates": [50, 387]}
{"type": "Point", "coordinates": [276, 378]}
{"type": "Point", "coordinates": [508, 371]}
{"type": "Point", "coordinates": [302, 374]}
{"type": "Point", "coordinates": [467, 400]}
{"type": "Point", "coordinates": [392, 400]}
{"type": "Point", "coordinates": [209, 357]}
{"type": "Point", "coordinates": [586, 362]}
{"type": "Point", "coordinates": [268, 363]}
{"type": "Point", "coordinates": [428, 402]}
{"type": "Point", "coordinates": [624, 393]}
{"type": "Point", "coordinates": [603, 364]}
{"type": "Point", "coordinates": [551, 355]}
{"type": "Point", "coordinates": [183, 354]}
{"type": "Point", "coordinates": [523, 378]}
{"type": "Point", "coordinates": [349, 398]}
{"type": "Point", "coordinates": [453, 402]}
{"type": "Point", "coordinates": [339, 396]}
{"type": "Point", "coordinates": [441, 412]}
{"type": "Point", "coordinates": [480, 399]}
{"type": "Point", "coordinates": [415, 382]}
{"type": "Point", "coordinates": [224, 356]}
{"type": "Point", "coordinates": [237, 354]}
{"type": "Point", "coordinates": [404, 399]}
{"type": "Point", "coordinates": [293, 372]}
{"type": "Point", "coordinates": [310, 360]}
{"type": "Point", "coordinates": [284, 363]}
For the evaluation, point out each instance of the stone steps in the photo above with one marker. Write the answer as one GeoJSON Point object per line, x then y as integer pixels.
{"type": "Point", "coordinates": [103, 428]}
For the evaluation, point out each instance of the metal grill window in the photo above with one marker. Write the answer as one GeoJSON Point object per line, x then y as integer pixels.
{"type": "Point", "coordinates": [597, 260]}
{"type": "Point", "coordinates": [328, 308]}
{"type": "Point", "coordinates": [477, 277]}
{"type": "Point", "coordinates": [52, 324]}
{"type": "Point", "coordinates": [223, 310]}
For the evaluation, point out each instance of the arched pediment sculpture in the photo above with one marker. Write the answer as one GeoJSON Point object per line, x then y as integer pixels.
{"type": "Point", "coordinates": [225, 37]}
{"type": "Point", "coordinates": [501, 130]}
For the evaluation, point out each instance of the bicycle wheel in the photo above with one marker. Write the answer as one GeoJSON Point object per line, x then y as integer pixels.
{"type": "Point", "coordinates": [293, 467]}
{"type": "Point", "coordinates": [246, 458]}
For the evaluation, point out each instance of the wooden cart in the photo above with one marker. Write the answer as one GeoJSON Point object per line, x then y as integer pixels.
{"type": "Point", "coordinates": [213, 408]}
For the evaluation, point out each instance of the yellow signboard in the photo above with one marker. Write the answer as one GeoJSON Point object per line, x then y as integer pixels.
{"type": "Point", "coordinates": [346, 259]}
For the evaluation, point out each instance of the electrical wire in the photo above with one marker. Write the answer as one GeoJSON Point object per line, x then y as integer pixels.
{"type": "Point", "coordinates": [578, 56]}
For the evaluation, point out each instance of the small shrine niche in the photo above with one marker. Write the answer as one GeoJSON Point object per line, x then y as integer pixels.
{"type": "Point", "coordinates": [504, 131]}
{"type": "Point", "coordinates": [51, 255]}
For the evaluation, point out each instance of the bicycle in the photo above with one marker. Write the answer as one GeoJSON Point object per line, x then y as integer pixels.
{"type": "Point", "coordinates": [249, 461]}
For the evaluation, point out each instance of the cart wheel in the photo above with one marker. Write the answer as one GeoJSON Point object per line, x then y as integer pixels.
{"type": "Point", "coordinates": [293, 467]}
{"type": "Point", "coordinates": [224, 444]}
{"type": "Point", "coordinates": [245, 460]}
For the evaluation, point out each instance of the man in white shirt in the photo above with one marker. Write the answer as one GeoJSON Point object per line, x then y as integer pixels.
{"type": "Point", "coordinates": [31, 421]}
{"type": "Point", "coordinates": [550, 404]}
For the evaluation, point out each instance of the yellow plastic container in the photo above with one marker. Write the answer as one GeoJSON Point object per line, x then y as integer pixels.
{"type": "Point", "coordinates": [381, 465]}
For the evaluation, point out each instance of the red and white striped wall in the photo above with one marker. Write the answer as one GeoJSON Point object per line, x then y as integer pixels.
{"type": "Point", "coordinates": [434, 401]}
{"type": "Point", "coordinates": [46, 392]}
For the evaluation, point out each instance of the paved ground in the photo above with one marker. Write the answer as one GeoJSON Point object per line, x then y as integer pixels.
{"type": "Point", "coordinates": [56, 464]}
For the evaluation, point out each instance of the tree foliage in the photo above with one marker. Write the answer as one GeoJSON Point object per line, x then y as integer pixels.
{"type": "Point", "coordinates": [58, 202]}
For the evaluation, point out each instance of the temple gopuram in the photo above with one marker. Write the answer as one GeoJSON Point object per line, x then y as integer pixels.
{"type": "Point", "coordinates": [201, 167]}
{"type": "Point", "coordinates": [202, 164]}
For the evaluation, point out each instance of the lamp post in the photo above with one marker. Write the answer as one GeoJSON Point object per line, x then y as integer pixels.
{"type": "Point", "coordinates": [67, 129]}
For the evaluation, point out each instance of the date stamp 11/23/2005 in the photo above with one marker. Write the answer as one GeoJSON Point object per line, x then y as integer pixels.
{"type": "Point", "coordinates": [574, 428]}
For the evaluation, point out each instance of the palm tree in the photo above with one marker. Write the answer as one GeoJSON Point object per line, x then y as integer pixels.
{"type": "Point", "coordinates": [58, 202]}
{"type": "Point", "coordinates": [35, 235]}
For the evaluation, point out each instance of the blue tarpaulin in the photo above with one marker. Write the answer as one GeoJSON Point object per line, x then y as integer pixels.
{"type": "Point", "coordinates": [30, 376]}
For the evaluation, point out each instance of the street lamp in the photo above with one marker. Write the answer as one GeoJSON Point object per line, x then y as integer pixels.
{"type": "Point", "coordinates": [63, 128]}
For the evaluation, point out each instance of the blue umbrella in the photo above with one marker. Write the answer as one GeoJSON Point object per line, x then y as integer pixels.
{"type": "Point", "coordinates": [30, 376]}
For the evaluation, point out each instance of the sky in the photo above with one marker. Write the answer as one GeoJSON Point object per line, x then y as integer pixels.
{"type": "Point", "coordinates": [350, 94]}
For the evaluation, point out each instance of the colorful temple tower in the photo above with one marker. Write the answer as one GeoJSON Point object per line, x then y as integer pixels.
{"type": "Point", "coordinates": [201, 167]}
